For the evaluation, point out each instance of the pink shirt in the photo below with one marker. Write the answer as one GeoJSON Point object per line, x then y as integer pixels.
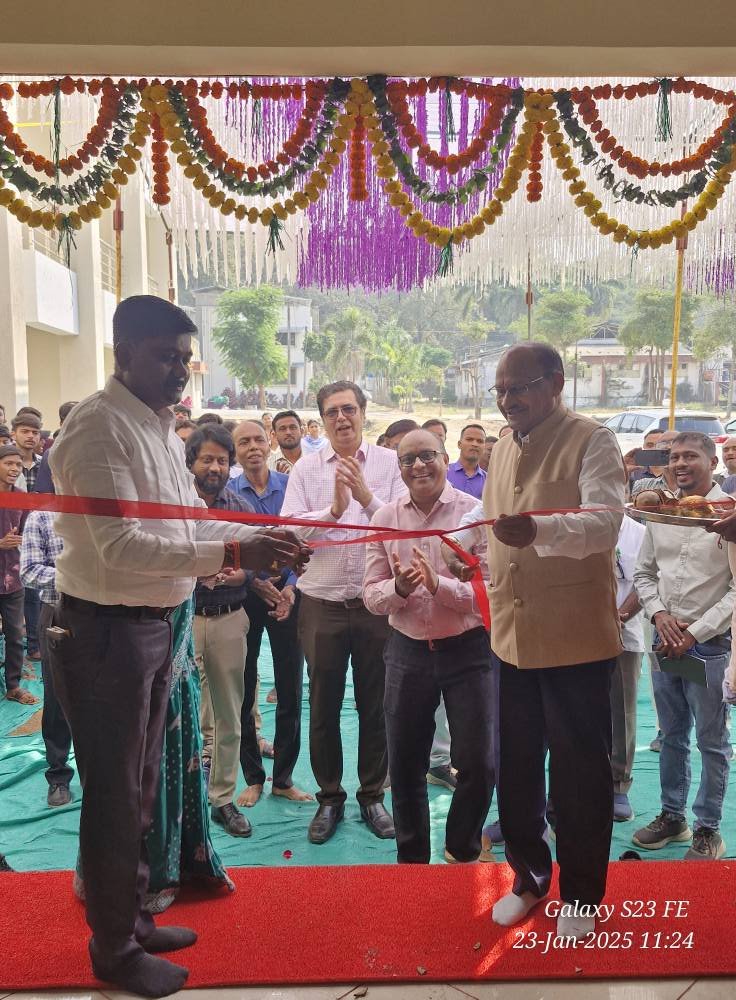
{"type": "Point", "coordinates": [336, 573]}
{"type": "Point", "coordinates": [422, 615]}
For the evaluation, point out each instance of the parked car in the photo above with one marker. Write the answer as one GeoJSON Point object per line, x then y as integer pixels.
{"type": "Point", "coordinates": [632, 426]}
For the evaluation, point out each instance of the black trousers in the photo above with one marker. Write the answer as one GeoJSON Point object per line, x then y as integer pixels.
{"type": "Point", "coordinates": [415, 677]}
{"type": "Point", "coordinates": [567, 709]}
{"type": "Point", "coordinates": [332, 635]}
{"type": "Point", "coordinates": [11, 612]}
{"type": "Point", "coordinates": [55, 730]}
{"type": "Point", "coordinates": [288, 672]}
{"type": "Point", "coordinates": [112, 677]}
{"type": "Point", "coordinates": [31, 611]}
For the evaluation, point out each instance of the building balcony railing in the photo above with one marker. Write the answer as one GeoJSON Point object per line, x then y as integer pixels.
{"type": "Point", "coordinates": [45, 243]}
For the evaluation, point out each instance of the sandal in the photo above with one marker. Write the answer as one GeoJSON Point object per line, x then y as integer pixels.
{"type": "Point", "coordinates": [22, 696]}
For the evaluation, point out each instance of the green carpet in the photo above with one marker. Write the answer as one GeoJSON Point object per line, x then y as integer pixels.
{"type": "Point", "coordinates": [36, 837]}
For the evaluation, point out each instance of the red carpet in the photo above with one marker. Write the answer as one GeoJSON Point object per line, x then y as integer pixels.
{"type": "Point", "coordinates": [373, 923]}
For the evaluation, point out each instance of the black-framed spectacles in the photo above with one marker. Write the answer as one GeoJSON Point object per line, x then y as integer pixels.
{"type": "Point", "coordinates": [425, 457]}
{"type": "Point", "coordinates": [516, 391]}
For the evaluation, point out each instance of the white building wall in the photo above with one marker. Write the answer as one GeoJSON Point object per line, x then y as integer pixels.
{"type": "Point", "coordinates": [56, 322]}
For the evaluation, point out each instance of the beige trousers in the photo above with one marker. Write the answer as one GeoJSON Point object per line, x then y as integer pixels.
{"type": "Point", "coordinates": [219, 650]}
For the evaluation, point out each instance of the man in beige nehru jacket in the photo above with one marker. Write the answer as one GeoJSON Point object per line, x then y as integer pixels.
{"type": "Point", "coordinates": [554, 635]}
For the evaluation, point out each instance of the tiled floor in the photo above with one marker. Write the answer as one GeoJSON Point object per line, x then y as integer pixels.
{"type": "Point", "coordinates": [619, 989]}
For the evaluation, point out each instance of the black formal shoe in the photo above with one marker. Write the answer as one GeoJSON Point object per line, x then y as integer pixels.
{"type": "Point", "coordinates": [378, 820]}
{"type": "Point", "coordinates": [325, 823]}
{"type": "Point", "coordinates": [4, 866]}
{"type": "Point", "coordinates": [232, 820]}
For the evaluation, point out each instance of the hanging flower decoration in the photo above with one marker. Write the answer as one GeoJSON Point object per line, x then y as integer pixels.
{"type": "Point", "coordinates": [167, 120]}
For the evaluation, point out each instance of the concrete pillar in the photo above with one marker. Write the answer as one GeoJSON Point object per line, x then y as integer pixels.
{"type": "Point", "coordinates": [82, 358]}
{"type": "Point", "coordinates": [13, 348]}
{"type": "Point", "coordinates": [135, 255]}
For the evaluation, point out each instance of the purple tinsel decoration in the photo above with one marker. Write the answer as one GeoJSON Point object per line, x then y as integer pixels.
{"type": "Point", "coordinates": [366, 244]}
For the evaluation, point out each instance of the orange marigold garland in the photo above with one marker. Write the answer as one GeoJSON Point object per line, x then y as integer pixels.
{"type": "Point", "coordinates": [358, 188]}
{"type": "Point", "coordinates": [397, 92]}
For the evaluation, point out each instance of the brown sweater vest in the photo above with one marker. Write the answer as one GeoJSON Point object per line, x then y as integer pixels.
{"type": "Point", "coordinates": [552, 611]}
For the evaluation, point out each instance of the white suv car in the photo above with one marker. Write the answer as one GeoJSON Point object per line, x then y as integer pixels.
{"type": "Point", "coordinates": [632, 426]}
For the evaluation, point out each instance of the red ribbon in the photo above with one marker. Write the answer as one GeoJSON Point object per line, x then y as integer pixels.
{"type": "Point", "coordinates": [145, 509]}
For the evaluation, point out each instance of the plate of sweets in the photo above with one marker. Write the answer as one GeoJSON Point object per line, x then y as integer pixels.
{"type": "Point", "coordinates": [666, 508]}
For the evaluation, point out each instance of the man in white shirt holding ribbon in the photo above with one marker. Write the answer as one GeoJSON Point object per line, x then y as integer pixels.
{"type": "Point", "coordinates": [110, 642]}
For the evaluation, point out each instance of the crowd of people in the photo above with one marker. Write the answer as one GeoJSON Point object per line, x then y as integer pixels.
{"type": "Point", "coordinates": [150, 631]}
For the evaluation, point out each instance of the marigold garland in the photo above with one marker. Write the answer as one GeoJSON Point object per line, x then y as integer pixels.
{"type": "Point", "coordinates": [339, 114]}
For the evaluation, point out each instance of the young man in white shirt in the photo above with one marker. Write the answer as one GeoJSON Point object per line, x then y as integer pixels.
{"type": "Point", "coordinates": [119, 579]}
{"type": "Point", "coordinates": [625, 680]}
{"type": "Point", "coordinates": [686, 587]}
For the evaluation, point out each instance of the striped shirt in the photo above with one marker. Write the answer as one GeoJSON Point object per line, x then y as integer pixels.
{"type": "Point", "coordinates": [38, 554]}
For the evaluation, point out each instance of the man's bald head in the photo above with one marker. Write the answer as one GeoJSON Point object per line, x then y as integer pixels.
{"type": "Point", "coordinates": [420, 440]}
{"type": "Point", "coordinates": [529, 381]}
{"type": "Point", "coordinates": [426, 473]}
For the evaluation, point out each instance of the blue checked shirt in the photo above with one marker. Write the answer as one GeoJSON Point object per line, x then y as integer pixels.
{"type": "Point", "coordinates": [38, 554]}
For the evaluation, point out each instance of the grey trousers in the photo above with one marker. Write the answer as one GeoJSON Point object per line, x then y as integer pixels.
{"type": "Point", "coordinates": [624, 687]}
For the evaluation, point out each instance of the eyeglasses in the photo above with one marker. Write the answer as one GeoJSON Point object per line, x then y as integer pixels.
{"type": "Point", "coordinates": [349, 410]}
{"type": "Point", "coordinates": [516, 391]}
{"type": "Point", "coordinates": [425, 457]}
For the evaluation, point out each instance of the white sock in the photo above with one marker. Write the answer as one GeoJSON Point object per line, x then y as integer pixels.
{"type": "Point", "coordinates": [575, 927]}
{"type": "Point", "coordinates": [510, 909]}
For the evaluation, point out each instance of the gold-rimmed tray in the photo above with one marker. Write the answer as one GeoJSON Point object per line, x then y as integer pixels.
{"type": "Point", "coordinates": [681, 520]}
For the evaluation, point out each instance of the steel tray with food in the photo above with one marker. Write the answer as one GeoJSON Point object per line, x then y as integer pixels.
{"type": "Point", "coordinates": [666, 508]}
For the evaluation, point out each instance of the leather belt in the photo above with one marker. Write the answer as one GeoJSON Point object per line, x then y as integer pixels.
{"type": "Point", "coordinates": [135, 613]}
{"type": "Point", "coordinates": [449, 641]}
{"type": "Point", "coordinates": [215, 610]}
{"type": "Point", "coordinates": [351, 602]}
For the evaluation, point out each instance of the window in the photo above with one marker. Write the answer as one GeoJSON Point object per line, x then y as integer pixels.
{"type": "Point", "coordinates": [293, 375]}
{"type": "Point", "coordinates": [614, 424]}
{"type": "Point", "coordinates": [628, 423]}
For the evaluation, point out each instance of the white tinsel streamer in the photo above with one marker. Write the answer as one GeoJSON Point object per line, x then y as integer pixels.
{"type": "Point", "coordinates": [565, 248]}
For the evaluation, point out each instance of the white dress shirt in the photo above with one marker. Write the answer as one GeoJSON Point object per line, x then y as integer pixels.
{"type": "Point", "coordinates": [630, 539]}
{"type": "Point", "coordinates": [335, 573]}
{"type": "Point", "coordinates": [116, 447]}
{"type": "Point", "coordinates": [684, 571]}
{"type": "Point", "coordinates": [577, 535]}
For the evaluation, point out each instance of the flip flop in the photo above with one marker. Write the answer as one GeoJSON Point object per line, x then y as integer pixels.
{"type": "Point", "coordinates": [22, 696]}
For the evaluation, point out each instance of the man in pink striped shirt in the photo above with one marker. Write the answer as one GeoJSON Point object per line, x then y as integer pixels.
{"type": "Point", "coordinates": [437, 646]}
{"type": "Point", "coordinates": [348, 480]}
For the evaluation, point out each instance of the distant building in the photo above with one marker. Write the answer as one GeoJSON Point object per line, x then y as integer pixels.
{"type": "Point", "coordinates": [296, 323]}
{"type": "Point", "coordinates": [610, 376]}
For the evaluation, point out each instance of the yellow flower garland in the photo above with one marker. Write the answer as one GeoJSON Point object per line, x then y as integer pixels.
{"type": "Point", "coordinates": [440, 236]}
{"type": "Point", "coordinates": [619, 231]}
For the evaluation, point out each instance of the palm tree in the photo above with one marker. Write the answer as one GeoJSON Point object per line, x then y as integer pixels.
{"type": "Point", "coordinates": [354, 335]}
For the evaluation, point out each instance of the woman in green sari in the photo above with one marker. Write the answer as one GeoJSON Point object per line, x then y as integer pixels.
{"type": "Point", "coordinates": [178, 844]}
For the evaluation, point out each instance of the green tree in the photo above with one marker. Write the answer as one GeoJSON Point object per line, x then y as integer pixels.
{"type": "Point", "coordinates": [716, 336]}
{"type": "Point", "coordinates": [472, 335]}
{"type": "Point", "coordinates": [560, 318]}
{"type": "Point", "coordinates": [317, 347]}
{"type": "Point", "coordinates": [649, 328]}
{"type": "Point", "coordinates": [245, 333]}
{"type": "Point", "coordinates": [353, 334]}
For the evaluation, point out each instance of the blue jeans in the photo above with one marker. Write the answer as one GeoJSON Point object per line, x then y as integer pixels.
{"type": "Point", "coordinates": [680, 703]}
